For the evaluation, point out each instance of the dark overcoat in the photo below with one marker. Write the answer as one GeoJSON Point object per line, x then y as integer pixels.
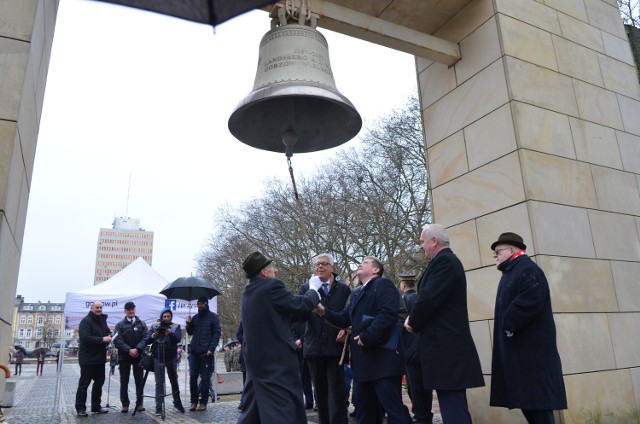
{"type": "Point", "coordinates": [526, 368]}
{"type": "Point", "coordinates": [380, 299]}
{"type": "Point", "coordinates": [320, 337]}
{"type": "Point", "coordinates": [448, 355]}
{"type": "Point", "coordinates": [273, 389]}
{"type": "Point", "coordinates": [91, 349]}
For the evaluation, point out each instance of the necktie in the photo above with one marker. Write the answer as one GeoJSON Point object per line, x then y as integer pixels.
{"type": "Point", "coordinates": [325, 288]}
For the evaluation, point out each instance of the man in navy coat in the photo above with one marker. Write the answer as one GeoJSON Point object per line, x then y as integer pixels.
{"type": "Point", "coordinates": [273, 389]}
{"type": "Point", "coordinates": [373, 313]}
{"type": "Point", "coordinates": [526, 368]}
{"type": "Point", "coordinates": [448, 355]}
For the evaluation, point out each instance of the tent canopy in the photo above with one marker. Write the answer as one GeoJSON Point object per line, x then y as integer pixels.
{"type": "Point", "coordinates": [139, 283]}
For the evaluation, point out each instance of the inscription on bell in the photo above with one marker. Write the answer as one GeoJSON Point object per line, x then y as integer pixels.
{"type": "Point", "coordinates": [299, 57]}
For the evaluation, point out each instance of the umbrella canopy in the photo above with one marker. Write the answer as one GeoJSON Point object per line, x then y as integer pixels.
{"type": "Point", "coordinates": [232, 343]}
{"type": "Point", "coordinates": [18, 347]}
{"type": "Point", "coordinates": [212, 12]}
{"type": "Point", "coordinates": [190, 288]}
{"type": "Point", "coordinates": [37, 351]}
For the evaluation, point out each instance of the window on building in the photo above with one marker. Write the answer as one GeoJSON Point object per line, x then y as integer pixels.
{"type": "Point", "coordinates": [39, 333]}
{"type": "Point", "coordinates": [30, 319]}
{"type": "Point", "coordinates": [27, 308]}
{"type": "Point", "coordinates": [56, 333]}
{"type": "Point", "coordinates": [21, 333]}
{"type": "Point", "coordinates": [42, 308]}
{"type": "Point", "coordinates": [23, 319]}
{"type": "Point", "coordinates": [40, 320]}
{"type": "Point", "coordinates": [50, 319]}
{"type": "Point", "coordinates": [57, 319]}
{"type": "Point", "coordinates": [68, 334]}
{"type": "Point", "coordinates": [28, 333]}
{"type": "Point", "coordinates": [27, 345]}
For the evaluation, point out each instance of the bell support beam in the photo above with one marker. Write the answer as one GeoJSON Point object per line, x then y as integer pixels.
{"type": "Point", "coordinates": [365, 27]}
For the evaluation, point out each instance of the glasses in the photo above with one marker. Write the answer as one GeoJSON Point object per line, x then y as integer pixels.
{"type": "Point", "coordinates": [495, 252]}
{"type": "Point", "coordinates": [319, 264]}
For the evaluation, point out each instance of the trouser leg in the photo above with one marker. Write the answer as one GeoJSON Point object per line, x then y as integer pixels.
{"type": "Point", "coordinates": [539, 416]}
{"type": "Point", "coordinates": [138, 376]}
{"type": "Point", "coordinates": [81, 392]}
{"type": "Point", "coordinates": [96, 390]}
{"type": "Point", "coordinates": [125, 373]}
{"type": "Point", "coordinates": [194, 372]}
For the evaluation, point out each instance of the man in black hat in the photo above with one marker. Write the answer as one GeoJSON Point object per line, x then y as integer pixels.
{"type": "Point", "coordinates": [204, 329]}
{"type": "Point", "coordinates": [525, 367]}
{"type": "Point", "coordinates": [129, 340]}
{"type": "Point", "coordinates": [273, 389]}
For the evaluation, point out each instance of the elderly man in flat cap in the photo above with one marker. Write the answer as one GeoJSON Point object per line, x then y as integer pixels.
{"type": "Point", "coordinates": [204, 329]}
{"type": "Point", "coordinates": [273, 389]}
{"type": "Point", "coordinates": [129, 339]}
{"type": "Point", "coordinates": [526, 368]}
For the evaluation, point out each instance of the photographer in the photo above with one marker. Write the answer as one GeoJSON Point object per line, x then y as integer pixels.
{"type": "Point", "coordinates": [165, 336]}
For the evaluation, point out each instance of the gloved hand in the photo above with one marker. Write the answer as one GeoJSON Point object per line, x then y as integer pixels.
{"type": "Point", "coordinates": [315, 283]}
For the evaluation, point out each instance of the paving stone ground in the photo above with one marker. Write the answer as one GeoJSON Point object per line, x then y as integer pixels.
{"type": "Point", "coordinates": [47, 399]}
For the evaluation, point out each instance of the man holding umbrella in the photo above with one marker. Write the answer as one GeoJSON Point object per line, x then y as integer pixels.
{"type": "Point", "coordinates": [204, 328]}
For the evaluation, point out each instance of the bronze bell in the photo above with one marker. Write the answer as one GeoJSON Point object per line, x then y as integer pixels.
{"type": "Point", "coordinates": [295, 106]}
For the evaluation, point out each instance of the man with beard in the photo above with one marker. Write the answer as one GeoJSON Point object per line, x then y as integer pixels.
{"type": "Point", "coordinates": [204, 328]}
{"type": "Point", "coordinates": [273, 390]}
{"type": "Point", "coordinates": [526, 371]}
{"type": "Point", "coordinates": [94, 337]}
{"type": "Point", "coordinates": [129, 341]}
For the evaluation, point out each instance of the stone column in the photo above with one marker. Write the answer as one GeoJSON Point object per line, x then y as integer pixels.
{"type": "Point", "coordinates": [537, 131]}
{"type": "Point", "coordinates": [26, 35]}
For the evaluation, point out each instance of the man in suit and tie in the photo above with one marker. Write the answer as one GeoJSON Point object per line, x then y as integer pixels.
{"type": "Point", "coordinates": [373, 313]}
{"type": "Point", "coordinates": [448, 355]}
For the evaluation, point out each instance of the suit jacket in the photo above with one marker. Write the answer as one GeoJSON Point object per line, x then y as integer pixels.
{"type": "Point", "coordinates": [273, 389]}
{"type": "Point", "coordinates": [380, 299]}
{"type": "Point", "coordinates": [448, 355]}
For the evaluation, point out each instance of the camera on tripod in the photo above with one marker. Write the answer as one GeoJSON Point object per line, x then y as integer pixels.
{"type": "Point", "coordinates": [164, 328]}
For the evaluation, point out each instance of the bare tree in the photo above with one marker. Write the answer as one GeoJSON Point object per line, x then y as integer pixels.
{"type": "Point", "coordinates": [369, 200]}
{"type": "Point", "coordinates": [630, 12]}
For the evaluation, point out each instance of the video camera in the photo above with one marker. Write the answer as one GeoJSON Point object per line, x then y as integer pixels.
{"type": "Point", "coordinates": [164, 327]}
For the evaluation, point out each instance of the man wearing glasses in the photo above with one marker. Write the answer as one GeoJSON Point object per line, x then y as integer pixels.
{"type": "Point", "coordinates": [321, 350]}
{"type": "Point", "coordinates": [448, 355]}
{"type": "Point", "coordinates": [526, 368]}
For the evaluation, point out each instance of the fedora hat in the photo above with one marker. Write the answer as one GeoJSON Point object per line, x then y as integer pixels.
{"type": "Point", "coordinates": [511, 239]}
{"type": "Point", "coordinates": [254, 264]}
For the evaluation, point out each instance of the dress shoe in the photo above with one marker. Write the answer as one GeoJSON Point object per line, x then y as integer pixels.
{"type": "Point", "coordinates": [100, 411]}
{"type": "Point", "coordinates": [193, 407]}
{"type": "Point", "coordinates": [140, 408]}
{"type": "Point", "coordinates": [83, 414]}
{"type": "Point", "coordinates": [315, 408]}
{"type": "Point", "coordinates": [158, 413]}
{"type": "Point", "coordinates": [202, 407]}
{"type": "Point", "coordinates": [125, 409]}
{"type": "Point", "coordinates": [240, 406]}
{"type": "Point", "coordinates": [178, 405]}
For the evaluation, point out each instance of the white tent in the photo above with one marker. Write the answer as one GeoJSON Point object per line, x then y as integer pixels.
{"type": "Point", "coordinates": [139, 283]}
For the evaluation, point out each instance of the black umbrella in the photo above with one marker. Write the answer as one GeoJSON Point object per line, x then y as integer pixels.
{"type": "Point", "coordinates": [190, 288]}
{"type": "Point", "coordinates": [21, 348]}
{"type": "Point", "coordinates": [232, 343]}
{"type": "Point", "coordinates": [212, 12]}
{"type": "Point", "coordinates": [37, 351]}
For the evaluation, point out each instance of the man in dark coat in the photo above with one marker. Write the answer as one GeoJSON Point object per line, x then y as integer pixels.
{"type": "Point", "coordinates": [421, 398]}
{"type": "Point", "coordinates": [448, 355]}
{"type": "Point", "coordinates": [129, 339]}
{"type": "Point", "coordinates": [525, 367]}
{"type": "Point", "coordinates": [94, 337]}
{"type": "Point", "coordinates": [205, 330]}
{"type": "Point", "coordinates": [373, 313]}
{"type": "Point", "coordinates": [273, 390]}
{"type": "Point", "coordinates": [321, 350]}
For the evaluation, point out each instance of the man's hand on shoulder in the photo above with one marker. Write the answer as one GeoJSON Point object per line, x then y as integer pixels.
{"type": "Point", "coordinates": [315, 283]}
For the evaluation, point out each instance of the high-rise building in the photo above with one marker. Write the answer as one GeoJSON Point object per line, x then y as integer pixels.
{"type": "Point", "coordinates": [121, 245]}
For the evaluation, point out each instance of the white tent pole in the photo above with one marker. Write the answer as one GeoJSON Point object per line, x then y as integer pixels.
{"type": "Point", "coordinates": [60, 363]}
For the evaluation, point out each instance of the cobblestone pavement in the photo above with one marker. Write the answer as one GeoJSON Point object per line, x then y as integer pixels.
{"type": "Point", "coordinates": [35, 401]}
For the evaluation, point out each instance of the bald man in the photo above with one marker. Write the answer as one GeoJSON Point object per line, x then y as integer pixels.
{"type": "Point", "coordinates": [94, 336]}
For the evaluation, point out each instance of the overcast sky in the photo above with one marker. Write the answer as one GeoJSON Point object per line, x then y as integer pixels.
{"type": "Point", "coordinates": [141, 94]}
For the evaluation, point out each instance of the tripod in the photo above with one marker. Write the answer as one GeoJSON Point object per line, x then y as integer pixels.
{"type": "Point", "coordinates": [109, 392]}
